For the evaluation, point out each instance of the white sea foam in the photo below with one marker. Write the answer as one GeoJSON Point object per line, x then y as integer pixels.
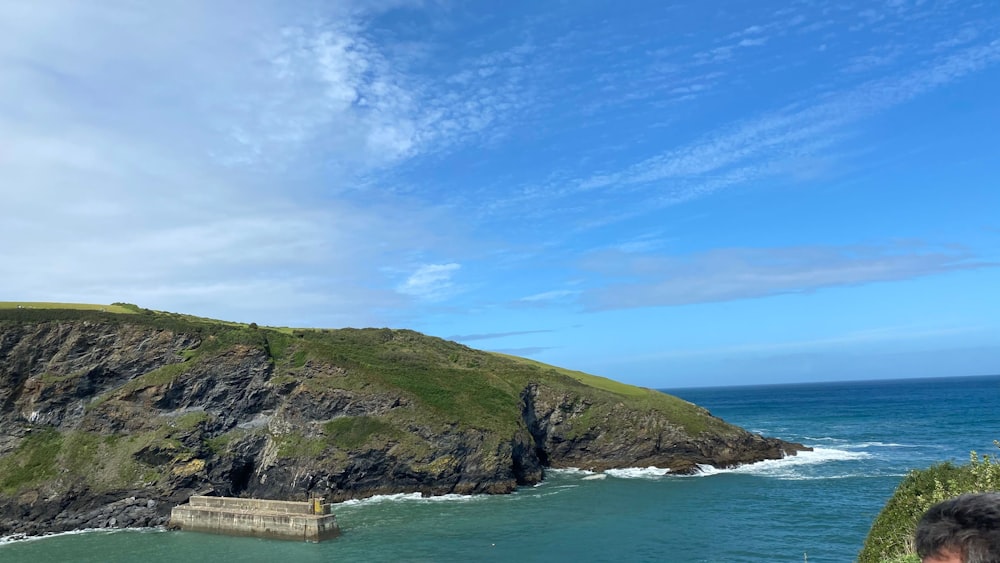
{"type": "Point", "coordinates": [596, 477]}
{"type": "Point", "coordinates": [549, 493]}
{"type": "Point", "coordinates": [570, 471]}
{"type": "Point", "coordinates": [859, 475]}
{"type": "Point", "coordinates": [840, 442]}
{"type": "Point", "coordinates": [18, 538]}
{"type": "Point", "coordinates": [454, 498]}
{"type": "Point", "coordinates": [879, 445]}
{"type": "Point", "coordinates": [638, 472]}
{"type": "Point", "coordinates": [377, 499]}
{"type": "Point", "coordinates": [787, 467]}
{"type": "Point", "coordinates": [556, 490]}
{"type": "Point", "coordinates": [411, 497]}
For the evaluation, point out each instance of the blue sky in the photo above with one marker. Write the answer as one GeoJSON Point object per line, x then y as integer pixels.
{"type": "Point", "coordinates": [683, 195]}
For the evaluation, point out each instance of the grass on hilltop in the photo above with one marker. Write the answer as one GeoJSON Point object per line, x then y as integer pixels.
{"type": "Point", "coordinates": [585, 378]}
{"type": "Point", "coordinates": [119, 308]}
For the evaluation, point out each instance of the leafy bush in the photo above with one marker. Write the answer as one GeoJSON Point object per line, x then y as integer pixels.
{"type": "Point", "coordinates": [891, 536]}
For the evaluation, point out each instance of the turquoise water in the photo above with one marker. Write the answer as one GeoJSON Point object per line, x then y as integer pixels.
{"type": "Point", "coordinates": [866, 436]}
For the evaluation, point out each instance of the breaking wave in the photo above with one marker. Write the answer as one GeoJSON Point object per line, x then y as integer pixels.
{"type": "Point", "coordinates": [570, 471]}
{"type": "Point", "coordinates": [638, 472]}
{"type": "Point", "coordinates": [860, 445]}
{"type": "Point", "coordinates": [790, 467]}
{"type": "Point", "coordinates": [864, 445]}
{"type": "Point", "coordinates": [803, 466]}
{"type": "Point", "coordinates": [19, 538]}
{"type": "Point", "coordinates": [410, 497]}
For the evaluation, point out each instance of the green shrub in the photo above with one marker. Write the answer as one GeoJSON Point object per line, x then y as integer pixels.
{"type": "Point", "coordinates": [891, 535]}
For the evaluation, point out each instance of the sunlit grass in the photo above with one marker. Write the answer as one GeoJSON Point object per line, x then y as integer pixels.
{"type": "Point", "coordinates": [71, 306]}
{"type": "Point", "coordinates": [586, 378]}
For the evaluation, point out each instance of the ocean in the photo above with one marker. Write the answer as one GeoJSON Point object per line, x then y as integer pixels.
{"type": "Point", "coordinates": [817, 506]}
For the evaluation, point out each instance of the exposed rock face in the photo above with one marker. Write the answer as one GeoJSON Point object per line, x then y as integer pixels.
{"type": "Point", "coordinates": [626, 437]}
{"type": "Point", "coordinates": [47, 369]}
{"type": "Point", "coordinates": [110, 424]}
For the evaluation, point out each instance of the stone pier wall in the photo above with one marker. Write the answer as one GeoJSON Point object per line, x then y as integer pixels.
{"type": "Point", "coordinates": [265, 505]}
{"type": "Point", "coordinates": [257, 518]}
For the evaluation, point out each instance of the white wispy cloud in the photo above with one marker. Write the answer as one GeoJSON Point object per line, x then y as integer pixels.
{"type": "Point", "coordinates": [821, 120]}
{"type": "Point", "coordinates": [883, 57]}
{"type": "Point", "coordinates": [553, 295]}
{"type": "Point", "coordinates": [167, 155]}
{"type": "Point", "coordinates": [492, 335]}
{"type": "Point", "coordinates": [759, 147]}
{"type": "Point", "coordinates": [430, 282]}
{"type": "Point", "coordinates": [524, 352]}
{"type": "Point", "coordinates": [877, 337]}
{"type": "Point", "coordinates": [745, 273]}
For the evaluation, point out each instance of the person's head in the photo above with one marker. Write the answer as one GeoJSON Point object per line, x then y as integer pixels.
{"type": "Point", "coordinates": [965, 529]}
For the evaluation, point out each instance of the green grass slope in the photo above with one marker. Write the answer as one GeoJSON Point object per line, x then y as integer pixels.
{"type": "Point", "coordinates": [451, 383]}
{"type": "Point", "coordinates": [119, 308]}
{"type": "Point", "coordinates": [596, 381]}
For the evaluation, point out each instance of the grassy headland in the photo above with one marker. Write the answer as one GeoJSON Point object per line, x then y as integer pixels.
{"type": "Point", "coordinates": [120, 399]}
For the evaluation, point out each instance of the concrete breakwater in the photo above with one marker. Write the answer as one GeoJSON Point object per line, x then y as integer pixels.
{"type": "Point", "coordinates": [278, 519]}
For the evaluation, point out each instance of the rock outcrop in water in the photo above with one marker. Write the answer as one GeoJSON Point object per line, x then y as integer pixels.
{"type": "Point", "coordinates": [111, 419]}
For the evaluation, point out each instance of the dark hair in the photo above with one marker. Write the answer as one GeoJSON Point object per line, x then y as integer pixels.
{"type": "Point", "coordinates": [968, 524]}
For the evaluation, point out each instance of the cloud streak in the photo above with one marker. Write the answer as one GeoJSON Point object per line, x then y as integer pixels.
{"type": "Point", "coordinates": [817, 126]}
{"type": "Point", "coordinates": [747, 273]}
{"type": "Point", "coordinates": [757, 145]}
{"type": "Point", "coordinates": [492, 335]}
{"type": "Point", "coordinates": [554, 295]}
{"type": "Point", "coordinates": [430, 282]}
{"type": "Point", "coordinates": [527, 351]}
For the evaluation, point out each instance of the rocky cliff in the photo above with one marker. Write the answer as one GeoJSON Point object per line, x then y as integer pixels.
{"type": "Point", "coordinates": [111, 419]}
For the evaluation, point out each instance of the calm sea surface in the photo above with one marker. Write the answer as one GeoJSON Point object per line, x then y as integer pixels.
{"type": "Point", "coordinates": [866, 436]}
